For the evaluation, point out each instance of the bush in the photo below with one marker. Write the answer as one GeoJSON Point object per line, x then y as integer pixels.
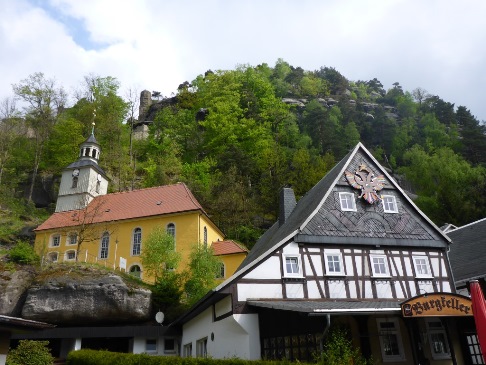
{"type": "Point", "coordinates": [339, 350]}
{"type": "Point", "coordinates": [23, 253]}
{"type": "Point", "coordinates": [30, 353]}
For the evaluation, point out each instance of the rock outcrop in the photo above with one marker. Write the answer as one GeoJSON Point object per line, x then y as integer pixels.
{"type": "Point", "coordinates": [70, 300]}
{"type": "Point", "coordinates": [13, 287]}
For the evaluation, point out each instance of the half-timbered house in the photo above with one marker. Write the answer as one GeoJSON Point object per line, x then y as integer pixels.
{"type": "Point", "coordinates": [355, 251]}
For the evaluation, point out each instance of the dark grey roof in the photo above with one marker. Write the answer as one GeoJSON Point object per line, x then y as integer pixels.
{"type": "Point", "coordinates": [98, 332]}
{"type": "Point", "coordinates": [468, 251]}
{"type": "Point", "coordinates": [91, 139]}
{"type": "Point", "coordinates": [15, 324]}
{"type": "Point", "coordinates": [83, 163]}
{"type": "Point", "coordinates": [329, 306]}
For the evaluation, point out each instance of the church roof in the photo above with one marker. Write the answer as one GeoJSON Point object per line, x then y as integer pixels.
{"type": "Point", "coordinates": [160, 200]}
{"type": "Point", "coordinates": [227, 247]}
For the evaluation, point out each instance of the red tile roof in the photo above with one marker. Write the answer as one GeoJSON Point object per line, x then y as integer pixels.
{"type": "Point", "coordinates": [154, 201]}
{"type": "Point", "coordinates": [227, 247]}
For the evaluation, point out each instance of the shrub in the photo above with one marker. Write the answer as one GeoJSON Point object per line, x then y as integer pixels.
{"type": "Point", "coordinates": [23, 253]}
{"type": "Point", "coordinates": [339, 350]}
{"type": "Point", "coordinates": [30, 352]}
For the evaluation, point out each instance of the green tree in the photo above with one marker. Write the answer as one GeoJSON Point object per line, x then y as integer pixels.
{"type": "Point", "coordinates": [30, 352]}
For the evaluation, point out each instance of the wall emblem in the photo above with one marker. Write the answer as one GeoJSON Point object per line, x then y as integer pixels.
{"type": "Point", "coordinates": [366, 181]}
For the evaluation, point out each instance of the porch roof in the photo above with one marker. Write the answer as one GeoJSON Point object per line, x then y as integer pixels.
{"type": "Point", "coordinates": [316, 307]}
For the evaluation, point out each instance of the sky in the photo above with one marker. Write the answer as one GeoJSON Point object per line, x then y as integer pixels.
{"type": "Point", "coordinates": [437, 45]}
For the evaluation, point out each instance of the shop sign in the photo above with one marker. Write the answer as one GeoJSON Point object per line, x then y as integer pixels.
{"type": "Point", "coordinates": [437, 304]}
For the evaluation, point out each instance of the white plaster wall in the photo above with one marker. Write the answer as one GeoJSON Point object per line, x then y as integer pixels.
{"type": "Point", "coordinates": [269, 269]}
{"type": "Point", "coordinates": [235, 336]}
{"type": "Point", "coordinates": [223, 306]}
{"type": "Point", "coordinates": [383, 289]}
{"type": "Point", "coordinates": [348, 265]}
{"type": "Point", "coordinates": [294, 291]}
{"type": "Point", "coordinates": [316, 261]}
{"type": "Point", "coordinates": [255, 291]}
{"type": "Point", "coordinates": [337, 289]}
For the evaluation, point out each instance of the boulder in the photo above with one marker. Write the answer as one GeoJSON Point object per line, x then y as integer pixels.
{"type": "Point", "coordinates": [13, 286]}
{"type": "Point", "coordinates": [71, 300]}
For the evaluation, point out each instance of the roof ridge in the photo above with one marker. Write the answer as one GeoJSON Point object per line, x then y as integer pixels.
{"type": "Point", "coordinates": [144, 189]}
{"type": "Point", "coordinates": [466, 225]}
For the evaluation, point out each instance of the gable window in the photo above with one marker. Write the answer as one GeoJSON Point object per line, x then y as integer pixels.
{"type": "Point", "coordinates": [136, 271]}
{"type": "Point", "coordinates": [422, 267]}
{"type": "Point", "coordinates": [334, 262]}
{"type": "Point", "coordinates": [202, 347]}
{"type": "Point", "coordinates": [347, 202]}
{"type": "Point", "coordinates": [150, 345]}
{"type": "Point", "coordinates": [136, 241]}
{"type": "Point", "coordinates": [292, 266]}
{"type": "Point", "coordinates": [389, 204]}
{"type": "Point", "coordinates": [70, 255]}
{"type": "Point", "coordinates": [105, 244]}
{"type": "Point", "coordinates": [75, 182]}
{"type": "Point", "coordinates": [72, 238]}
{"type": "Point", "coordinates": [379, 266]}
{"type": "Point", "coordinates": [390, 339]}
{"type": "Point", "coordinates": [56, 240]}
{"type": "Point", "coordinates": [439, 346]}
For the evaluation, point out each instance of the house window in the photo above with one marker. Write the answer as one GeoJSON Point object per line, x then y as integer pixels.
{"type": "Point", "coordinates": [105, 244]}
{"type": "Point", "coordinates": [220, 274]}
{"type": "Point", "coordinates": [334, 262]}
{"type": "Point", "coordinates": [390, 339]}
{"type": "Point", "coordinates": [136, 241]}
{"type": "Point", "coordinates": [56, 240]}
{"type": "Point", "coordinates": [98, 186]}
{"type": "Point", "coordinates": [53, 256]}
{"type": "Point", "coordinates": [150, 345]}
{"type": "Point", "coordinates": [136, 271]}
{"type": "Point", "coordinates": [389, 204]}
{"type": "Point", "coordinates": [169, 345]}
{"type": "Point", "coordinates": [171, 230]}
{"type": "Point", "coordinates": [75, 182]}
{"type": "Point", "coordinates": [475, 355]}
{"type": "Point", "coordinates": [70, 255]}
{"type": "Point", "coordinates": [422, 267]}
{"type": "Point", "coordinates": [72, 238]}
{"type": "Point", "coordinates": [187, 350]}
{"type": "Point", "coordinates": [347, 202]}
{"type": "Point", "coordinates": [202, 347]}
{"type": "Point", "coordinates": [205, 237]}
{"type": "Point", "coordinates": [379, 266]}
{"type": "Point", "coordinates": [439, 346]}
{"type": "Point", "coordinates": [292, 266]}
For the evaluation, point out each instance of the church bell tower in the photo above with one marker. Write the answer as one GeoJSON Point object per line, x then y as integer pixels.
{"type": "Point", "coordinates": [82, 180]}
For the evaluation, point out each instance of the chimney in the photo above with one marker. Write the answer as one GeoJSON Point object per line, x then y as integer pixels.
{"type": "Point", "coordinates": [287, 204]}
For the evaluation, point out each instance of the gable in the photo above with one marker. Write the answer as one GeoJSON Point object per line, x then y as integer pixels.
{"type": "Point", "coordinates": [369, 223]}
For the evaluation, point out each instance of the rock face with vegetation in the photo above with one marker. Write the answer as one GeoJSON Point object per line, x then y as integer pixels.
{"type": "Point", "coordinates": [13, 286]}
{"type": "Point", "coordinates": [86, 295]}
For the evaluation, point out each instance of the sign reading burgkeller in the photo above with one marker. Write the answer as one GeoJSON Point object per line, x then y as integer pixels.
{"type": "Point", "coordinates": [437, 304]}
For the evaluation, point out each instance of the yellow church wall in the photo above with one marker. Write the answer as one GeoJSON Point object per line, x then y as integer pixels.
{"type": "Point", "coordinates": [189, 230]}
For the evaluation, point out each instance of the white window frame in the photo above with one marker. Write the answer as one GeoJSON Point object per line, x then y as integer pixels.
{"type": "Point", "coordinates": [297, 274]}
{"type": "Point", "coordinates": [56, 237]}
{"type": "Point", "coordinates": [103, 255]}
{"type": "Point", "coordinates": [388, 200]}
{"type": "Point", "coordinates": [435, 327]}
{"type": "Point", "coordinates": [394, 331]}
{"type": "Point", "coordinates": [187, 350]}
{"type": "Point", "coordinates": [202, 347]}
{"type": "Point", "coordinates": [69, 241]}
{"type": "Point", "coordinates": [416, 265]}
{"type": "Point", "coordinates": [149, 349]}
{"type": "Point", "coordinates": [339, 255]}
{"type": "Point", "coordinates": [376, 274]}
{"type": "Point", "coordinates": [136, 246]}
{"type": "Point", "coordinates": [51, 254]}
{"type": "Point", "coordinates": [66, 255]}
{"type": "Point", "coordinates": [347, 197]}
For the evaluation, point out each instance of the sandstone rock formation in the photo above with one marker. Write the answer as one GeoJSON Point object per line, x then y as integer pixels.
{"type": "Point", "coordinates": [13, 286]}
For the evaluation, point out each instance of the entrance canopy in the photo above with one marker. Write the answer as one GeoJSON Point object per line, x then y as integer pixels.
{"type": "Point", "coordinates": [316, 307]}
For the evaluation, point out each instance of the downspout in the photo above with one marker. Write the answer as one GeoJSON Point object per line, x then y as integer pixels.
{"type": "Point", "coordinates": [326, 330]}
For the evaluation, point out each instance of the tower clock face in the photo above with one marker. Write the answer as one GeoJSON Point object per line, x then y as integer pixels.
{"type": "Point", "coordinates": [75, 172]}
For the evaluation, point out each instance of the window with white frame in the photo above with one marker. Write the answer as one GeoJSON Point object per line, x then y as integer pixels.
{"type": "Point", "coordinates": [422, 267]}
{"type": "Point", "coordinates": [347, 202]}
{"type": "Point", "coordinates": [390, 339]}
{"type": "Point", "coordinates": [72, 238]}
{"type": "Point", "coordinates": [187, 350]}
{"type": "Point", "coordinates": [379, 266]}
{"type": "Point", "coordinates": [439, 346]}
{"type": "Point", "coordinates": [53, 256]}
{"type": "Point", "coordinates": [171, 230]}
{"type": "Point", "coordinates": [56, 240]}
{"type": "Point", "coordinates": [334, 262]}
{"type": "Point", "coordinates": [105, 245]}
{"type": "Point", "coordinates": [202, 347]}
{"type": "Point", "coordinates": [389, 204]}
{"type": "Point", "coordinates": [292, 266]}
{"type": "Point", "coordinates": [70, 255]}
{"type": "Point", "coordinates": [137, 241]}
{"type": "Point", "coordinates": [151, 345]}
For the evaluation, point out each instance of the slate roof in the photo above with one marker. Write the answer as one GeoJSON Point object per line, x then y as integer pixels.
{"type": "Point", "coordinates": [468, 251]}
{"type": "Point", "coordinates": [167, 199]}
{"type": "Point", "coordinates": [227, 247]}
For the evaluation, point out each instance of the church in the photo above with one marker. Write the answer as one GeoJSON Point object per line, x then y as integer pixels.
{"type": "Point", "coordinates": [90, 225]}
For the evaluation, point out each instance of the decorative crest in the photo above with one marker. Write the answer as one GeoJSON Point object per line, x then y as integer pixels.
{"type": "Point", "coordinates": [365, 180]}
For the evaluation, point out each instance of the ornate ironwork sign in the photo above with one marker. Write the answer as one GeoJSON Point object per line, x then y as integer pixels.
{"type": "Point", "coordinates": [366, 181]}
